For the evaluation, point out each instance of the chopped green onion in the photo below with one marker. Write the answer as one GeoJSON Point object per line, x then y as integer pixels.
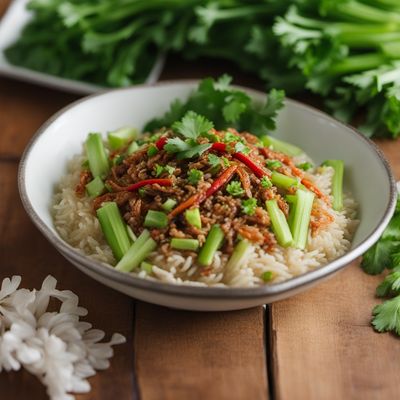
{"type": "Point", "coordinates": [281, 146]}
{"type": "Point", "coordinates": [131, 234]}
{"type": "Point", "coordinates": [305, 166]}
{"type": "Point", "coordinates": [213, 242]}
{"type": "Point", "coordinates": [137, 253]}
{"type": "Point", "coordinates": [337, 183]}
{"type": "Point", "coordinates": [236, 259]}
{"type": "Point", "coordinates": [114, 229]}
{"type": "Point", "coordinates": [146, 266]}
{"type": "Point", "coordinates": [152, 151]}
{"type": "Point", "coordinates": [274, 164]}
{"type": "Point", "coordinates": [96, 154]}
{"type": "Point", "coordinates": [185, 244]}
{"type": "Point", "coordinates": [95, 187]}
{"type": "Point", "coordinates": [193, 217]}
{"type": "Point", "coordinates": [300, 220]}
{"type": "Point", "coordinates": [279, 224]}
{"type": "Point", "coordinates": [267, 276]}
{"type": "Point", "coordinates": [155, 219]}
{"type": "Point", "coordinates": [121, 137]}
{"type": "Point", "coordinates": [169, 204]}
{"type": "Point", "coordinates": [132, 148]}
{"type": "Point", "coordinates": [283, 181]}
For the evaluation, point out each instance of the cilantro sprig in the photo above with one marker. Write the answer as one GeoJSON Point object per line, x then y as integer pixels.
{"type": "Point", "coordinates": [249, 206]}
{"type": "Point", "coordinates": [194, 176]}
{"type": "Point", "coordinates": [235, 189]}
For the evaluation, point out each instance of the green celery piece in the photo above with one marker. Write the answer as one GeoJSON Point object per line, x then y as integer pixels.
{"type": "Point", "coordinates": [283, 181]}
{"type": "Point", "coordinates": [281, 146]}
{"type": "Point", "coordinates": [301, 218]}
{"type": "Point", "coordinates": [132, 148]}
{"type": "Point", "coordinates": [95, 187]}
{"type": "Point", "coordinates": [155, 219]}
{"type": "Point", "coordinates": [235, 260]}
{"type": "Point", "coordinates": [267, 276]}
{"type": "Point", "coordinates": [114, 229]}
{"type": "Point", "coordinates": [131, 234]}
{"type": "Point", "coordinates": [193, 217]}
{"type": "Point", "coordinates": [291, 198]}
{"type": "Point", "coordinates": [279, 224]}
{"type": "Point", "coordinates": [137, 253]}
{"type": "Point", "coordinates": [337, 183]}
{"type": "Point", "coordinates": [97, 156]}
{"type": "Point", "coordinates": [185, 244]}
{"type": "Point", "coordinates": [121, 137]}
{"type": "Point", "coordinates": [213, 242]}
{"type": "Point", "coordinates": [169, 204]}
{"type": "Point", "coordinates": [146, 266]}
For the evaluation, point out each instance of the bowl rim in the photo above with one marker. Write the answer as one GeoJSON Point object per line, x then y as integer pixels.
{"type": "Point", "coordinates": [181, 290]}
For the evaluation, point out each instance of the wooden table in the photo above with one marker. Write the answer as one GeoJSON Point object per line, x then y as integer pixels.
{"type": "Point", "coordinates": [316, 346]}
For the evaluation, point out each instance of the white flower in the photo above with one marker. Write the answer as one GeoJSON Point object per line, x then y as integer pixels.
{"type": "Point", "coordinates": [57, 347]}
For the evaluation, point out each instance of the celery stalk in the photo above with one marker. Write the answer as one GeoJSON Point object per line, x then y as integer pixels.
{"type": "Point", "coordinates": [193, 217]}
{"type": "Point", "coordinates": [137, 253]}
{"type": "Point", "coordinates": [238, 256]}
{"type": "Point", "coordinates": [281, 146]}
{"type": "Point", "coordinates": [96, 154]}
{"type": "Point", "coordinates": [337, 183]}
{"type": "Point", "coordinates": [121, 137]}
{"type": "Point", "coordinates": [301, 218]}
{"type": "Point", "coordinates": [279, 224]}
{"type": "Point", "coordinates": [185, 244]}
{"type": "Point", "coordinates": [283, 181]}
{"type": "Point", "coordinates": [95, 187]}
{"type": "Point", "coordinates": [114, 229]}
{"type": "Point", "coordinates": [213, 242]}
{"type": "Point", "coordinates": [169, 204]}
{"type": "Point", "coordinates": [155, 219]}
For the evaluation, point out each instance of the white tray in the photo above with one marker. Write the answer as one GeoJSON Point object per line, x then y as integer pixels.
{"type": "Point", "coordinates": [10, 27]}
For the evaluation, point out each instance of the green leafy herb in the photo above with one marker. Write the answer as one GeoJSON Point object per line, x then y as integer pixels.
{"type": "Point", "coordinates": [192, 125]}
{"type": "Point", "coordinates": [390, 285]}
{"type": "Point", "coordinates": [214, 160]}
{"type": "Point", "coordinates": [152, 151]}
{"type": "Point", "coordinates": [160, 169]}
{"type": "Point", "coordinates": [265, 182]}
{"type": "Point", "coordinates": [274, 164]}
{"type": "Point", "coordinates": [230, 137]}
{"type": "Point", "coordinates": [194, 176]}
{"type": "Point", "coordinates": [235, 189]}
{"type": "Point", "coordinates": [386, 316]}
{"type": "Point", "coordinates": [225, 161]}
{"type": "Point", "coordinates": [305, 166]}
{"type": "Point", "coordinates": [241, 148]}
{"type": "Point", "coordinates": [249, 206]}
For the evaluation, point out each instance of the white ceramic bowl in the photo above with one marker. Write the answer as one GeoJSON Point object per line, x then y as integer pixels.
{"type": "Point", "coordinates": [367, 175]}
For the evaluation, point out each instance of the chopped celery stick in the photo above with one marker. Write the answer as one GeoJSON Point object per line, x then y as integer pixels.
{"type": "Point", "coordinates": [131, 234]}
{"type": "Point", "coordinates": [95, 187]}
{"type": "Point", "coordinates": [267, 276]}
{"type": "Point", "coordinates": [291, 198]}
{"type": "Point", "coordinates": [193, 217]}
{"type": "Point", "coordinates": [114, 229]}
{"type": "Point", "coordinates": [121, 137]}
{"type": "Point", "coordinates": [185, 244]}
{"type": "Point", "coordinates": [279, 224]}
{"type": "Point", "coordinates": [283, 181]}
{"type": "Point", "coordinates": [137, 253]}
{"type": "Point", "coordinates": [301, 218]}
{"type": "Point", "coordinates": [337, 183]}
{"type": "Point", "coordinates": [213, 242]}
{"type": "Point", "coordinates": [147, 267]}
{"type": "Point", "coordinates": [281, 146]}
{"type": "Point", "coordinates": [155, 219]}
{"type": "Point", "coordinates": [132, 148]}
{"type": "Point", "coordinates": [96, 154]}
{"type": "Point", "coordinates": [235, 261]}
{"type": "Point", "coordinates": [169, 204]}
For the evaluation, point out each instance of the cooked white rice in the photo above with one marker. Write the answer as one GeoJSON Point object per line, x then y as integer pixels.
{"type": "Point", "coordinates": [76, 224]}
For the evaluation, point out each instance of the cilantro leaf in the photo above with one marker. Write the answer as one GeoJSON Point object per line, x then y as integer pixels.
{"type": "Point", "coordinates": [214, 160]}
{"type": "Point", "coordinates": [193, 151]}
{"type": "Point", "coordinates": [386, 316]}
{"type": "Point", "coordinates": [377, 258]}
{"type": "Point", "coordinates": [192, 125]}
{"type": "Point", "coordinates": [158, 169]}
{"type": "Point", "coordinates": [194, 176]}
{"type": "Point", "coordinates": [235, 189]}
{"type": "Point", "coordinates": [241, 148]}
{"type": "Point", "coordinates": [390, 285]}
{"type": "Point", "coordinates": [175, 145]}
{"type": "Point", "coordinates": [249, 206]}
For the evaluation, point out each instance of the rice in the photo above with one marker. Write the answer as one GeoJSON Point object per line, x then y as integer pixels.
{"type": "Point", "coordinates": [76, 223]}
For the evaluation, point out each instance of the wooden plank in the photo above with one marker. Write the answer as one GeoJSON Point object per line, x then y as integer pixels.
{"type": "Point", "coordinates": [23, 109]}
{"type": "Point", "coordinates": [186, 355]}
{"type": "Point", "coordinates": [24, 251]}
{"type": "Point", "coordinates": [322, 343]}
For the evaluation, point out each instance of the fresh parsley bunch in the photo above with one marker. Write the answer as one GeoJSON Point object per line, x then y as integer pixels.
{"type": "Point", "coordinates": [386, 254]}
